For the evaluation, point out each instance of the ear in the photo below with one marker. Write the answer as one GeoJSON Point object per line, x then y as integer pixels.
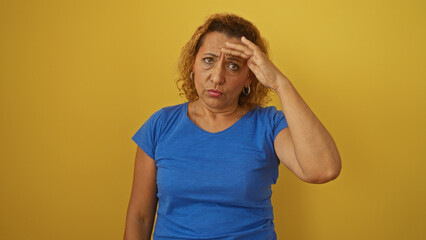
{"type": "Point", "coordinates": [249, 79]}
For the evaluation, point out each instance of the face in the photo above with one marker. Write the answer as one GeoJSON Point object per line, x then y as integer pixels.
{"type": "Point", "coordinates": [219, 78]}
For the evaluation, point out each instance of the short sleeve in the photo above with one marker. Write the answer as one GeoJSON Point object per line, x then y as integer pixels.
{"type": "Point", "coordinates": [280, 122]}
{"type": "Point", "coordinates": [147, 136]}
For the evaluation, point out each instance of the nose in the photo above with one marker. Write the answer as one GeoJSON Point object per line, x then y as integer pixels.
{"type": "Point", "coordinates": [218, 73]}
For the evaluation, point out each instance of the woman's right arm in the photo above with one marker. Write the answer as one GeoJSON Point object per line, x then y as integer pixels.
{"type": "Point", "coordinates": [143, 199]}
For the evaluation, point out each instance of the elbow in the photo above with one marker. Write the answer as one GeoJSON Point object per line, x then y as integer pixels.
{"type": "Point", "coordinates": [324, 176]}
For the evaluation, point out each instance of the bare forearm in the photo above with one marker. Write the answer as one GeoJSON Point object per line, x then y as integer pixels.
{"type": "Point", "coordinates": [315, 149]}
{"type": "Point", "coordinates": [137, 228]}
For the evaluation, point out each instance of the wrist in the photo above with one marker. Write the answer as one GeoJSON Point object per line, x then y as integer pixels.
{"type": "Point", "coordinates": [281, 83]}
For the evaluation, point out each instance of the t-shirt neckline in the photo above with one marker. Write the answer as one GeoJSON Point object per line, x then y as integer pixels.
{"type": "Point", "coordinates": [193, 125]}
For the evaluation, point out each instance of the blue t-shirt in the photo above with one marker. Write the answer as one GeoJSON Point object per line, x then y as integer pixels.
{"type": "Point", "coordinates": [213, 185]}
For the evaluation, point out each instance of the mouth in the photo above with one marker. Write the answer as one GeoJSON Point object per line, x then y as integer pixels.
{"type": "Point", "coordinates": [214, 93]}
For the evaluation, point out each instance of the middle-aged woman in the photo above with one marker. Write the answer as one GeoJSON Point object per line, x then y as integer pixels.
{"type": "Point", "coordinates": [209, 163]}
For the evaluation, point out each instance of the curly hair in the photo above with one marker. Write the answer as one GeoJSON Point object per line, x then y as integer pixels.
{"type": "Point", "coordinates": [232, 26]}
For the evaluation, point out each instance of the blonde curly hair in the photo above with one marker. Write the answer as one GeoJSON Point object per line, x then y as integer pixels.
{"type": "Point", "coordinates": [233, 26]}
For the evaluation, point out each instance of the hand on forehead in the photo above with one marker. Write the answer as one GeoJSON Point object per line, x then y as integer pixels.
{"type": "Point", "coordinates": [215, 42]}
{"type": "Point", "coordinates": [244, 49]}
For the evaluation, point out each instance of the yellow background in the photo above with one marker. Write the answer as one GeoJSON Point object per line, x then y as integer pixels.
{"type": "Point", "coordinates": [78, 78]}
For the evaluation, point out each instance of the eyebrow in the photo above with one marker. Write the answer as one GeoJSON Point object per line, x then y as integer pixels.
{"type": "Point", "coordinates": [234, 59]}
{"type": "Point", "coordinates": [211, 54]}
{"type": "Point", "coordinates": [229, 57]}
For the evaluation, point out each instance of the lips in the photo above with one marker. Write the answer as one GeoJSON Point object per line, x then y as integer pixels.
{"type": "Point", "coordinates": [214, 93]}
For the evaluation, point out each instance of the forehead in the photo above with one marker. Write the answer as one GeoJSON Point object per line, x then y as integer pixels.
{"type": "Point", "coordinates": [214, 41]}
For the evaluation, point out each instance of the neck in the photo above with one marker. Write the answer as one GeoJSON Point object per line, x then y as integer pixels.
{"type": "Point", "coordinates": [201, 110]}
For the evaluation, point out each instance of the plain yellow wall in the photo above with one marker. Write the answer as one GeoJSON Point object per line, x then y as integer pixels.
{"type": "Point", "coordinates": [78, 78]}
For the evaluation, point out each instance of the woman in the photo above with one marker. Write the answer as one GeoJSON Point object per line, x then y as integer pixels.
{"type": "Point", "coordinates": [211, 161]}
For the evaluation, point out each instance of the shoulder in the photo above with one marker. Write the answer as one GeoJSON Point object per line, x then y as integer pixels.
{"type": "Point", "coordinates": [171, 113]}
{"type": "Point", "coordinates": [175, 109]}
{"type": "Point", "coordinates": [168, 111]}
{"type": "Point", "coordinates": [162, 115]}
{"type": "Point", "coordinates": [265, 110]}
{"type": "Point", "coordinates": [269, 116]}
{"type": "Point", "coordinates": [269, 112]}
{"type": "Point", "coordinates": [162, 119]}
{"type": "Point", "coordinates": [167, 116]}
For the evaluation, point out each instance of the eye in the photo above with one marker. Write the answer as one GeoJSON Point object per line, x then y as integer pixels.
{"type": "Point", "coordinates": [233, 66]}
{"type": "Point", "coordinates": [208, 60]}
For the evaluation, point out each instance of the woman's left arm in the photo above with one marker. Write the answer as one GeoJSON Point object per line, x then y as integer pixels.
{"type": "Point", "coordinates": [305, 147]}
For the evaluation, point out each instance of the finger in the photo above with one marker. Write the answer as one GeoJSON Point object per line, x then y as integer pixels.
{"type": "Point", "coordinates": [251, 61]}
{"type": "Point", "coordinates": [250, 64]}
{"type": "Point", "coordinates": [258, 55]}
{"type": "Point", "coordinates": [255, 69]}
{"type": "Point", "coordinates": [247, 42]}
{"type": "Point", "coordinates": [239, 47]}
{"type": "Point", "coordinates": [234, 53]}
{"type": "Point", "coordinates": [253, 66]}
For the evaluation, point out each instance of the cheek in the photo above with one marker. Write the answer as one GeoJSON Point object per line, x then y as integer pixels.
{"type": "Point", "coordinates": [198, 71]}
{"type": "Point", "coordinates": [199, 84]}
{"type": "Point", "coordinates": [241, 76]}
{"type": "Point", "coordinates": [238, 81]}
{"type": "Point", "coordinates": [200, 76]}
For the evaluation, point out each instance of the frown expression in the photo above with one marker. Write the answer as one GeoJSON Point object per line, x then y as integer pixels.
{"type": "Point", "coordinates": [219, 78]}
